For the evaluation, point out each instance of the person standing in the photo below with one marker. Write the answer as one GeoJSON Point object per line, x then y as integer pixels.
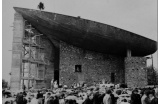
{"type": "Point", "coordinates": [52, 81]}
{"type": "Point", "coordinates": [33, 99]}
{"type": "Point", "coordinates": [107, 98]}
{"type": "Point", "coordinates": [113, 100]}
{"type": "Point", "coordinates": [20, 99]}
{"type": "Point", "coordinates": [47, 98]}
{"type": "Point", "coordinates": [56, 100]}
{"type": "Point", "coordinates": [100, 98]}
{"type": "Point", "coordinates": [89, 99]}
{"type": "Point", "coordinates": [40, 98]}
{"type": "Point", "coordinates": [96, 95]}
{"type": "Point", "coordinates": [145, 99]}
{"type": "Point", "coordinates": [24, 88]}
{"type": "Point", "coordinates": [152, 98]}
{"type": "Point", "coordinates": [55, 84]}
{"type": "Point", "coordinates": [156, 92]}
{"type": "Point", "coordinates": [41, 6]}
{"type": "Point", "coordinates": [135, 97]}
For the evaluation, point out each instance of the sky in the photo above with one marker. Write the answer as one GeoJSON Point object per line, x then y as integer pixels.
{"type": "Point", "coordinates": [138, 16]}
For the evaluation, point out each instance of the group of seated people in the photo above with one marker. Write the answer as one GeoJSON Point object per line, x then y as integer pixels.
{"type": "Point", "coordinates": [87, 95]}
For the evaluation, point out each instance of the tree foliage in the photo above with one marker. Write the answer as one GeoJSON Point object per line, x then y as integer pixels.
{"type": "Point", "coordinates": [4, 84]}
{"type": "Point", "coordinates": [152, 76]}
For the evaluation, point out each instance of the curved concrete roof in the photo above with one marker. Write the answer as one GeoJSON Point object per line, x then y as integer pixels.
{"type": "Point", "coordinates": [88, 34]}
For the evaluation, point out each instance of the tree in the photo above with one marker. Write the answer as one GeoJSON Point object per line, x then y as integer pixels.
{"type": "Point", "coordinates": [152, 76]}
{"type": "Point", "coordinates": [4, 84]}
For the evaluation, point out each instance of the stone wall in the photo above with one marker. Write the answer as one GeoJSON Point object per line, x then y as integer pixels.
{"type": "Point", "coordinates": [135, 72]}
{"type": "Point", "coordinates": [95, 66]}
{"type": "Point", "coordinates": [16, 51]}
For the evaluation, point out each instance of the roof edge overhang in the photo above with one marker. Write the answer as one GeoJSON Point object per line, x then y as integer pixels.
{"type": "Point", "coordinates": [88, 34]}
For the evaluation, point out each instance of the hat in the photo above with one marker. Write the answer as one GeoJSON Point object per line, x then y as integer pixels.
{"type": "Point", "coordinates": [65, 86]}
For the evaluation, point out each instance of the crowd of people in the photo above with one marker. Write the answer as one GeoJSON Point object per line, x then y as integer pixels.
{"type": "Point", "coordinates": [95, 94]}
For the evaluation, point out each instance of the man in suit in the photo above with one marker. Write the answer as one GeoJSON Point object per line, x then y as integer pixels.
{"type": "Point", "coordinates": [152, 98]}
{"type": "Point", "coordinates": [144, 98]}
{"type": "Point", "coordinates": [135, 97]}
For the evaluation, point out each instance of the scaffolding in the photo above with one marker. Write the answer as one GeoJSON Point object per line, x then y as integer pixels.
{"type": "Point", "coordinates": [33, 58]}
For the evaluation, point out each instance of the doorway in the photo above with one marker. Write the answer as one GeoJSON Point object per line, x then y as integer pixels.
{"type": "Point", "coordinates": [112, 77]}
{"type": "Point", "coordinates": [56, 64]}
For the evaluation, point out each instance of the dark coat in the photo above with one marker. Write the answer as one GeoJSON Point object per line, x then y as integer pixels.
{"type": "Point", "coordinates": [20, 99]}
{"type": "Point", "coordinates": [135, 99]}
{"type": "Point", "coordinates": [88, 101]}
{"type": "Point", "coordinates": [154, 101]}
{"type": "Point", "coordinates": [95, 98]}
{"type": "Point", "coordinates": [113, 100]}
{"type": "Point", "coordinates": [53, 101]}
{"type": "Point", "coordinates": [100, 99]}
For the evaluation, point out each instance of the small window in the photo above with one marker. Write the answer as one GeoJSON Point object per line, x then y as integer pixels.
{"type": "Point", "coordinates": [78, 68]}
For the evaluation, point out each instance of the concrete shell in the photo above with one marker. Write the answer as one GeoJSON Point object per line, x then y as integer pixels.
{"type": "Point", "coordinates": [88, 34]}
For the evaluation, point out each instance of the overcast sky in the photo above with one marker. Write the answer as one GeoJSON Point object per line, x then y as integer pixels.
{"type": "Point", "coordinates": [138, 16]}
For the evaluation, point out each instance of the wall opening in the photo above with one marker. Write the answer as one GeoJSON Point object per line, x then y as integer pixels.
{"type": "Point", "coordinates": [56, 64]}
{"type": "Point", "coordinates": [112, 77]}
{"type": "Point", "coordinates": [78, 68]}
